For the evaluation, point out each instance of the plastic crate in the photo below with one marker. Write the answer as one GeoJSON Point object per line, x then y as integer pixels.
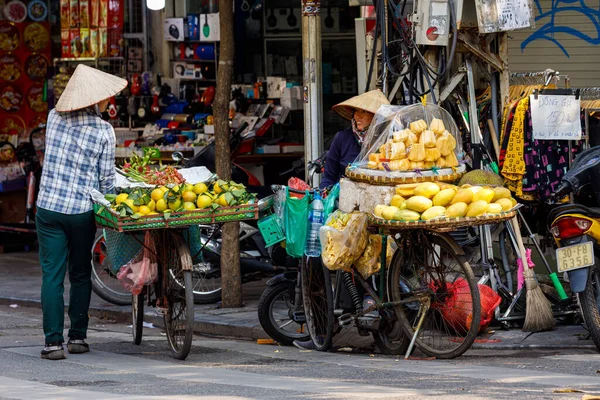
{"type": "Point", "coordinates": [270, 229]}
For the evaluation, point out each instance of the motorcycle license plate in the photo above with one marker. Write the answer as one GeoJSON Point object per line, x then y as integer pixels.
{"type": "Point", "coordinates": [575, 257]}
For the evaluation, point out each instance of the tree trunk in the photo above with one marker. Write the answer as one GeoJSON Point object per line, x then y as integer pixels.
{"type": "Point", "coordinates": [230, 247]}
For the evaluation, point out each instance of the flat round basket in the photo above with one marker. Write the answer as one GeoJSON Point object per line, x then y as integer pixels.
{"type": "Point", "coordinates": [388, 178]}
{"type": "Point", "coordinates": [439, 224]}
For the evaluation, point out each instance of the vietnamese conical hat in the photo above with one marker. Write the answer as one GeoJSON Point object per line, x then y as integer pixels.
{"type": "Point", "coordinates": [87, 87]}
{"type": "Point", "coordinates": [369, 101]}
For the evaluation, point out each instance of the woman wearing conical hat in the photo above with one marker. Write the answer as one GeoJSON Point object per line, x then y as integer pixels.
{"type": "Point", "coordinates": [347, 143]}
{"type": "Point", "coordinates": [80, 156]}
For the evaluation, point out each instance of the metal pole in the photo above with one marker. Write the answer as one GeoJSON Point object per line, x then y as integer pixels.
{"type": "Point", "coordinates": [313, 86]}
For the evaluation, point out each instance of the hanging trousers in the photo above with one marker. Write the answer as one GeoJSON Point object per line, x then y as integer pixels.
{"type": "Point", "coordinates": [65, 244]}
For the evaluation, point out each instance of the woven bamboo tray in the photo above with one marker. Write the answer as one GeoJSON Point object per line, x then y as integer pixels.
{"type": "Point", "coordinates": [440, 224]}
{"type": "Point", "coordinates": [376, 177]}
{"type": "Point", "coordinates": [109, 219]}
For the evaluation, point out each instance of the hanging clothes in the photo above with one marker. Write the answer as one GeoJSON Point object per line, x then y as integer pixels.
{"type": "Point", "coordinates": [513, 168]}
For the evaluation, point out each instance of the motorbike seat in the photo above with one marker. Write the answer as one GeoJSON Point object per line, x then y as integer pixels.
{"type": "Point", "coordinates": [592, 212]}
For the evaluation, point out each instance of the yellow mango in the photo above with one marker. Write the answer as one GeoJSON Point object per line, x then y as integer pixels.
{"type": "Point", "coordinates": [397, 201]}
{"type": "Point", "coordinates": [407, 215]}
{"type": "Point", "coordinates": [406, 189]}
{"type": "Point", "coordinates": [427, 189]}
{"type": "Point", "coordinates": [513, 201]}
{"type": "Point", "coordinates": [501, 193]}
{"type": "Point", "coordinates": [433, 212]}
{"type": "Point", "coordinates": [379, 210]}
{"type": "Point", "coordinates": [389, 211]}
{"type": "Point", "coordinates": [457, 210]}
{"type": "Point", "coordinates": [463, 196]}
{"type": "Point", "coordinates": [484, 194]}
{"type": "Point", "coordinates": [444, 197]}
{"type": "Point", "coordinates": [494, 208]}
{"type": "Point", "coordinates": [477, 208]}
{"type": "Point", "coordinates": [506, 204]}
{"type": "Point", "coordinates": [418, 203]}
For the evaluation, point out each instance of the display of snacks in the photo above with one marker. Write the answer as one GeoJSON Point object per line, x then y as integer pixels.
{"type": "Point", "coordinates": [37, 10]}
{"type": "Point", "coordinates": [9, 36]}
{"type": "Point", "coordinates": [36, 37]}
{"type": "Point", "coordinates": [412, 143]}
{"type": "Point", "coordinates": [15, 11]}
{"type": "Point", "coordinates": [11, 98]}
{"type": "Point", "coordinates": [35, 99]}
{"type": "Point", "coordinates": [60, 81]}
{"type": "Point", "coordinates": [36, 67]}
{"type": "Point", "coordinates": [11, 128]}
{"type": "Point", "coordinates": [10, 68]}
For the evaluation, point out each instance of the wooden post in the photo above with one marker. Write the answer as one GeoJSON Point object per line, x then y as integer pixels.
{"type": "Point", "coordinates": [505, 74]}
{"type": "Point", "coordinates": [230, 246]}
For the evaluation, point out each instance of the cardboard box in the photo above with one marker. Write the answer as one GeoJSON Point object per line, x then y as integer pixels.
{"type": "Point", "coordinates": [193, 23]}
{"type": "Point", "coordinates": [269, 149]}
{"type": "Point", "coordinates": [287, 148]}
{"type": "Point", "coordinates": [173, 29]}
{"type": "Point", "coordinates": [209, 28]}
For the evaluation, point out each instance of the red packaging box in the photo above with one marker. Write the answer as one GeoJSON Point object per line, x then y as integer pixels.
{"type": "Point", "coordinates": [103, 15]}
{"type": "Point", "coordinates": [74, 14]}
{"type": "Point", "coordinates": [85, 42]}
{"type": "Point", "coordinates": [115, 43]}
{"type": "Point", "coordinates": [65, 43]}
{"type": "Point", "coordinates": [64, 14]}
{"type": "Point", "coordinates": [84, 14]}
{"type": "Point", "coordinates": [76, 45]}
{"type": "Point", "coordinates": [115, 14]}
{"type": "Point", "coordinates": [102, 42]}
{"type": "Point", "coordinates": [94, 42]}
{"type": "Point", "coordinates": [94, 13]}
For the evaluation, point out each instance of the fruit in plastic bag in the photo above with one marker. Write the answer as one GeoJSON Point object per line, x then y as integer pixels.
{"type": "Point", "coordinates": [376, 157]}
{"type": "Point", "coordinates": [407, 215]}
{"type": "Point", "coordinates": [443, 145]}
{"type": "Point", "coordinates": [441, 163]}
{"type": "Point", "coordinates": [477, 208]}
{"type": "Point", "coordinates": [369, 262]}
{"type": "Point", "coordinates": [342, 248]}
{"type": "Point", "coordinates": [484, 194]}
{"type": "Point", "coordinates": [418, 126]}
{"type": "Point", "coordinates": [463, 196]}
{"type": "Point", "coordinates": [298, 184]}
{"type": "Point", "coordinates": [427, 139]}
{"type": "Point", "coordinates": [399, 165]}
{"type": "Point", "coordinates": [372, 165]}
{"type": "Point", "coordinates": [427, 189]}
{"type": "Point", "coordinates": [396, 151]}
{"type": "Point", "coordinates": [432, 155]}
{"type": "Point", "coordinates": [437, 126]}
{"type": "Point", "coordinates": [414, 165]}
{"type": "Point", "coordinates": [418, 203]}
{"type": "Point", "coordinates": [457, 210]}
{"type": "Point", "coordinates": [444, 197]}
{"type": "Point", "coordinates": [401, 136]}
{"type": "Point", "coordinates": [494, 208]}
{"type": "Point", "coordinates": [433, 212]}
{"type": "Point", "coordinates": [417, 152]}
{"type": "Point", "coordinates": [501, 193]}
{"type": "Point", "coordinates": [451, 160]}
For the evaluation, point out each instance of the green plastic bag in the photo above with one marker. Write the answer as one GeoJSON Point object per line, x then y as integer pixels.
{"type": "Point", "coordinates": [296, 224]}
{"type": "Point", "coordinates": [329, 202]}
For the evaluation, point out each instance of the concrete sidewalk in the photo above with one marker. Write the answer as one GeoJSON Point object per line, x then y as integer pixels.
{"type": "Point", "coordinates": [20, 282]}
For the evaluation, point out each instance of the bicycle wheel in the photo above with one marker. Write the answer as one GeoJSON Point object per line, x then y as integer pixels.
{"type": "Point", "coordinates": [590, 303]}
{"type": "Point", "coordinates": [137, 313]}
{"type": "Point", "coordinates": [317, 296]}
{"type": "Point", "coordinates": [391, 339]}
{"type": "Point", "coordinates": [104, 282]}
{"type": "Point", "coordinates": [446, 297]}
{"type": "Point", "coordinates": [179, 317]}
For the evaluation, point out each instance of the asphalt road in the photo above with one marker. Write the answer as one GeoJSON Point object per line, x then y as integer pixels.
{"type": "Point", "coordinates": [235, 370]}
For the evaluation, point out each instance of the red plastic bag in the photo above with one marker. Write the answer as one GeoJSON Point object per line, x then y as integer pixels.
{"type": "Point", "coordinates": [297, 184]}
{"type": "Point", "coordinates": [457, 308]}
{"type": "Point", "coordinates": [142, 270]}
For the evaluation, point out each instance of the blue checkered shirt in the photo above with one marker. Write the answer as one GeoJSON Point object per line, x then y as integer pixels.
{"type": "Point", "coordinates": [79, 157]}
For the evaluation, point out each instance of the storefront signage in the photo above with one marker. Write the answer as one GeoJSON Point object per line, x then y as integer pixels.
{"type": "Point", "coordinates": [555, 117]}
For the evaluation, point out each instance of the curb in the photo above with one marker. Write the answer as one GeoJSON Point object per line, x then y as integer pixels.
{"type": "Point", "coordinates": [205, 327]}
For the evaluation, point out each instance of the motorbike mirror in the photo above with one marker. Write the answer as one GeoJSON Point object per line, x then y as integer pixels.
{"type": "Point", "coordinates": [177, 156]}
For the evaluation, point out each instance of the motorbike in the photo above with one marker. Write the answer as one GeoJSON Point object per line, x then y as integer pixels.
{"type": "Point", "coordinates": [576, 231]}
{"type": "Point", "coordinates": [280, 308]}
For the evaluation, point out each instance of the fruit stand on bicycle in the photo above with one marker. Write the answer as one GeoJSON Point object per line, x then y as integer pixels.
{"type": "Point", "coordinates": [427, 294]}
{"type": "Point", "coordinates": [155, 253]}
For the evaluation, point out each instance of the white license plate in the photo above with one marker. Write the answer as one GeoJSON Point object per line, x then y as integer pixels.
{"type": "Point", "coordinates": [575, 257]}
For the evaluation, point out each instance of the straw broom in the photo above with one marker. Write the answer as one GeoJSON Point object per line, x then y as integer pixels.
{"type": "Point", "coordinates": [538, 315]}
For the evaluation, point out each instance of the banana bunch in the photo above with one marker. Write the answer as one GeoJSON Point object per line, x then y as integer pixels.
{"type": "Point", "coordinates": [418, 147]}
{"type": "Point", "coordinates": [430, 200]}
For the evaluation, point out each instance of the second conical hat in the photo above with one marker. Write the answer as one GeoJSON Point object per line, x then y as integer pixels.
{"type": "Point", "coordinates": [87, 87]}
{"type": "Point", "coordinates": [369, 101]}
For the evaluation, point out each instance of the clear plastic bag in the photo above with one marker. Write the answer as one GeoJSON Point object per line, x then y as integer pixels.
{"type": "Point", "coordinates": [142, 270]}
{"type": "Point", "coordinates": [343, 243]}
{"type": "Point", "coordinates": [403, 142]}
{"type": "Point", "coordinates": [369, 263]}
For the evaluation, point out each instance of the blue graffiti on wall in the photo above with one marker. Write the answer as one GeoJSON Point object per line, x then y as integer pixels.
{"type": "Point", "coordinates": [558, 9]}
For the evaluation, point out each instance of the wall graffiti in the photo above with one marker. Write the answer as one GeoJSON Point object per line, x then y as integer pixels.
{"type": "Point", "coordinates": [551, 19]}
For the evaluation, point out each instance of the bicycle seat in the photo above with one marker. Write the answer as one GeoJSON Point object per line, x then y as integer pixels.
{"type": "Point", "coordinates": [592, 212]}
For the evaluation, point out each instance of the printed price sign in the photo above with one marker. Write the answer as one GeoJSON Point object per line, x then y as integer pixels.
{"type": "Point", "coordinates": [513, 14]}
{"type": "Point", "coordinates": [555, 117]}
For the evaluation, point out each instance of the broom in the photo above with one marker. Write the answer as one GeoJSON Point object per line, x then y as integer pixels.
{"type": "Point", "coordinates": [538, 316]}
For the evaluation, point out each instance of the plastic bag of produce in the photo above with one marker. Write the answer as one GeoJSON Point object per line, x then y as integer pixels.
{"type": "Point", "coordinates": [369, 263]}
{"type": "Point", "coordinates": [343, 239]}
{"type": "Point", "coordinates": [296, 224]}
{"type": "Point", "coordinates": [329, 204]}
{"type": "Point", "coordinates": [121, 248]}
{"type": "Point", "coordinates": [411, 141]}
{"type": "Point", "coordinates": [142, 270]}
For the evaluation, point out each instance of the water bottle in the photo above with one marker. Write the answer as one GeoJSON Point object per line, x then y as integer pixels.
{"type": "Point", "coordinates": [315, 221]}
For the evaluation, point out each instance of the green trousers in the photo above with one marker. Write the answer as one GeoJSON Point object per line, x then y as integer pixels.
{"type": "Point", "coordinates": [65, 243]}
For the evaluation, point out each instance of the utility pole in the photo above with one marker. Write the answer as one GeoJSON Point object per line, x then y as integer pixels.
{"type": "Point", "coordinates": [230, 245]}
{"type": "Point", "coordinates": [312, 85]}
